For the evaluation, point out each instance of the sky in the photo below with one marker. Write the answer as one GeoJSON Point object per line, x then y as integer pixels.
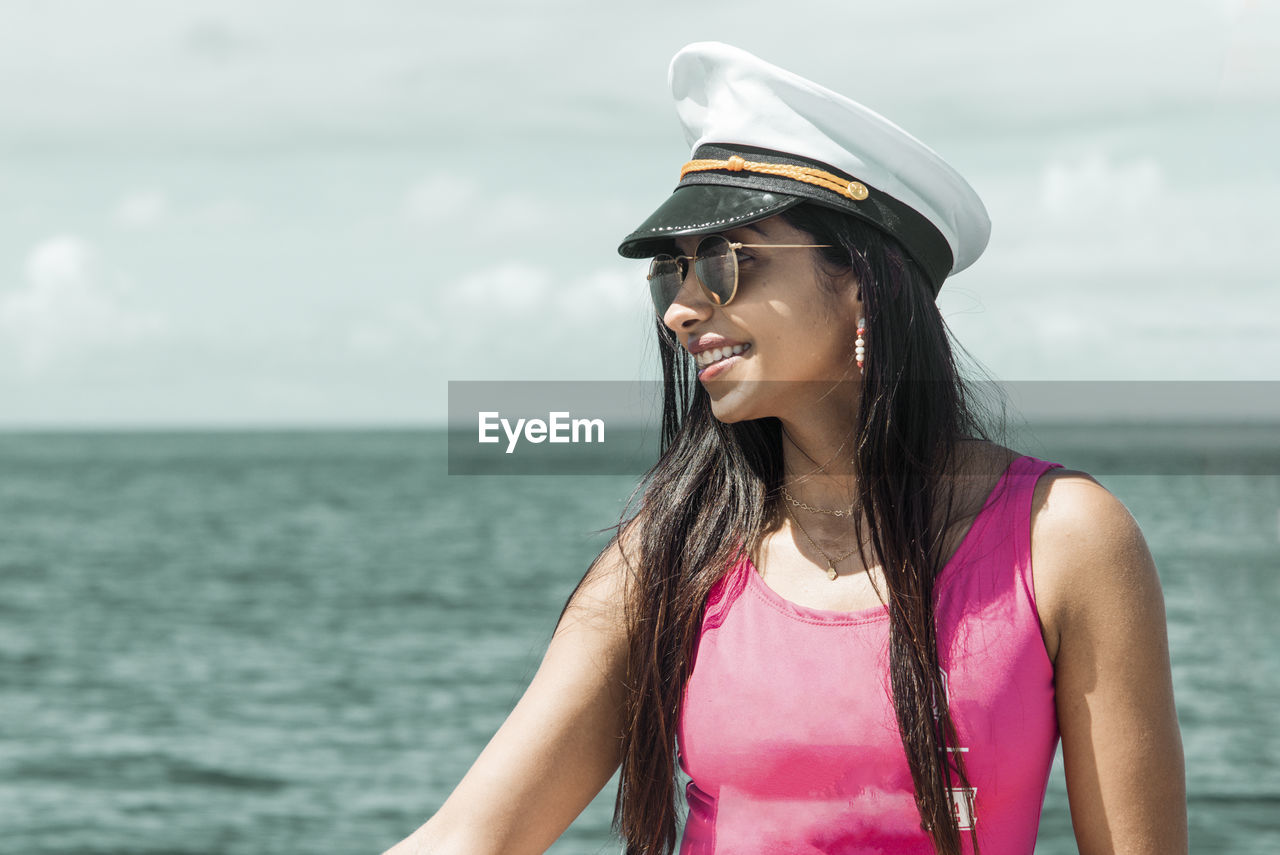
{"type": "Point", "coordinates": [282, 213]}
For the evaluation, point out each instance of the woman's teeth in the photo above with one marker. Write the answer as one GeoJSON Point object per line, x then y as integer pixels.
{"type": "Point", "coordinates": [716, 354]}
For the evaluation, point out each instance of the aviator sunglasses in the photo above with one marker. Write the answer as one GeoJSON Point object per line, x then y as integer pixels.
{"type": "Point", "coordinates": [715, 262]}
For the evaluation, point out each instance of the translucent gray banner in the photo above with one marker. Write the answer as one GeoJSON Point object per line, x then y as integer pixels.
{"type": "Point", "coordinates": [1101, 427]}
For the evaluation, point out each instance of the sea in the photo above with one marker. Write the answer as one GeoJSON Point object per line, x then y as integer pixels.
{"type": "Point", "coordinates": [252, 642]}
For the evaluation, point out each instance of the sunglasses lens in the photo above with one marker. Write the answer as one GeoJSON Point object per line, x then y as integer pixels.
{"type": "Point", "coordinates": [664, 281]}
{"type": "Point", "coordinates": [717, 268]}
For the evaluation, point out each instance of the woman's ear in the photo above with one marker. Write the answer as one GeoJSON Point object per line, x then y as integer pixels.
{"type": "Point", "coordinates": [857, 298]}
{"type": "Point", "coordinates": [850, 299]}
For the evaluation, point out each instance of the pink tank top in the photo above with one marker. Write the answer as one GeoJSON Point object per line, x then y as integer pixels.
{"type": "Point", "coordinates": [787, 731]}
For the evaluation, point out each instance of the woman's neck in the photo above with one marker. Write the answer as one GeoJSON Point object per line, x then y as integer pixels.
{"type": "Point", "coordinates": [818, 463]}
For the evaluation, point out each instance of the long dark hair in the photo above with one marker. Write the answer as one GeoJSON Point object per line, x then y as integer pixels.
{"type": "Point", "coordinates": [714, 493]}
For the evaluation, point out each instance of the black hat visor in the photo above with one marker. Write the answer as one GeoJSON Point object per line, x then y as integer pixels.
{"type": "Point", "coordinates": [702, 209]}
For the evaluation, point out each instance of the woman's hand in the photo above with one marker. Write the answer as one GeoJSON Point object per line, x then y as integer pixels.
{"type": "Point", "coordinates": [559, 746]}
{"type": "Point", "coordinates": [1103, 617]}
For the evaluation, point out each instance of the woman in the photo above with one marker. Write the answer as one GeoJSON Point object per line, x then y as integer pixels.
{"type": "Point", "coordinates": [856, 623]}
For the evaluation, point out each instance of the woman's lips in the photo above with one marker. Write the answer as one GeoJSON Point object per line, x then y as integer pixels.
{"type": "Point", "coordinates": [716, 361]}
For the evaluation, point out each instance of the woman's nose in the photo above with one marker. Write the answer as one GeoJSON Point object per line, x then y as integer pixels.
{"type": "Point", "coordinates": [690, 305]}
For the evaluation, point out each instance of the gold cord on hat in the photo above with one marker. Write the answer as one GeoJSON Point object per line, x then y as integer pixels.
{"type": "Point", "coordinates": [855, 190]}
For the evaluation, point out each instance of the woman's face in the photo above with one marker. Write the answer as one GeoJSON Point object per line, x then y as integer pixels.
{"type": "Point", "coordinates": [796, 336]}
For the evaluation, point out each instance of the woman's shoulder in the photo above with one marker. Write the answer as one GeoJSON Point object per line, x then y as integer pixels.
{"type": "Point", "coordinates": [1070, 508]}
{"type": "Point", "coordinates": [600, 598]}
{"type": "Point", "coordinates": [980, 460]}
{"type": "Point", "coordinates": [1088, 555]}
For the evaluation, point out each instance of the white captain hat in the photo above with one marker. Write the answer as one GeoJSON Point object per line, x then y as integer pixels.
{"type": "Point", "coordinates": [764, 140]}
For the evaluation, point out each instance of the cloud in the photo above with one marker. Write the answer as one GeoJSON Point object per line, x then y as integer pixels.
{"type": "Point", "coordinates": [141, 209]}
{"type": "Point", "coordinates": [216, 41]}
{"type": "Point", "coordinates": [445, 199]}
{"type": "Point", "coordinates": [1072, 188]}
{"type": "Point", "coordinates": [524, 290]}
{"type": "Point", "coordinates": [439, 198]}
{"type": "Point", "coordinates": [608, 292]}
{"type": "Point", "coordinates": [150, 208]}
{"type": "Point", "coordinates": [516, 318]}
{"type": "Point", "coordinates": [514, 288]}
{"type": "Point", "coordinates": [395, 330]}
{"type": "Point", "coordinates": [66, 310]}
{"type": "Point", "coordinates": [1251, 64]}
{"type": "Point", "coordinates": [1099, 215]}
{"type": "Point", "coordinates": [223, 212]}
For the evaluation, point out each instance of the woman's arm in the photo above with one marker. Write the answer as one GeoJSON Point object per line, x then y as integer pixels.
{"type": "Point", "coordinates": [1103, 614]}
{"type": "Point", "coordinates": [559, 746]}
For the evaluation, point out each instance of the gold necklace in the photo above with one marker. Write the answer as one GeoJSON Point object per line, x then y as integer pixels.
{"type": "Point", "coordinates": [831, 562]}
{"type": "Point", "coordinates": [799, 504]}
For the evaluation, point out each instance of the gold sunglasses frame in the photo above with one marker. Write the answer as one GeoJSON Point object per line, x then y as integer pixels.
{"type": "Point", "coordinates": [734, 246]}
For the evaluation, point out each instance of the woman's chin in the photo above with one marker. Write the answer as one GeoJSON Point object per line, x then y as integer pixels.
{"type": "Point", "coordinates": [735, 404]}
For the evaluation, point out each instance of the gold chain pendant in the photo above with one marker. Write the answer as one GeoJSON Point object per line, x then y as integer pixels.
{"type": "Point", "coordinates": [831, 573]}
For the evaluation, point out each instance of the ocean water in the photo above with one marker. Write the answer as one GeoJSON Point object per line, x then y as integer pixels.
{"type": "Point", "coordinates": [299, 641]}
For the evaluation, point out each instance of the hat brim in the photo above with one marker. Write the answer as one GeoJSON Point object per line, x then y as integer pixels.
{"type": "Point", "coordinates": [701, 209]}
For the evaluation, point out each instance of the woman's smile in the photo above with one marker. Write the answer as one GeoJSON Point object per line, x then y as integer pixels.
{"type": "Point", "coordinates": [716, 360]}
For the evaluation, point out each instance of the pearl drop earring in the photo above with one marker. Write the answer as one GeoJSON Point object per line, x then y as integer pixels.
{"type": "Point", "coordinates": [859, 346]}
